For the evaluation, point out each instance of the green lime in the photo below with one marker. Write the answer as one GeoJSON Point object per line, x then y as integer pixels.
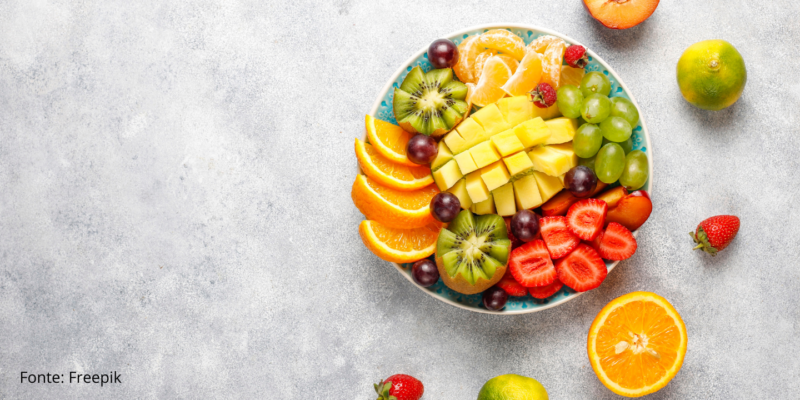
{"type": "Point", "coordinates": [512, 387]}
{"type": "Point", "coordinates": [711, 74]}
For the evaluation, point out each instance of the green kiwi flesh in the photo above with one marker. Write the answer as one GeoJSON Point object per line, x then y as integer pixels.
{"type": "Point", "coordinates": [430, 103]}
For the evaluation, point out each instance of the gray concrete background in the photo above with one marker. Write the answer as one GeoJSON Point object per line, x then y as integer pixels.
{"type": "Point", "coordinates": [175, 203]}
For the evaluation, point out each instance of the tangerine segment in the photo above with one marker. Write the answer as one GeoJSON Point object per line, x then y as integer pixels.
{"type": "Point", "coordinates": [495, 74]}
{"type": "Point", "coordinates": [552, 50]}
{"type": "Point", "coordinates": [392, 207]}
{"type": "Point", "coordinates": [477, 65]}
{"type": "Point", "coordinates": [389, 139]}
{"type": "Point", "coordinates": [526, 77]}
{"type": "Point", "coordinates": [390, 173]}
{"type": "Point", "coordinates": [503, 41]}
{"type": "Point", "coordinates": [637, 343]}
{"type": "Point", "coordinates": [399, 245]}
{"type": "Point", "coordinates": [571, 76]}
{"type": "Point", "coordinates": [468, 52]}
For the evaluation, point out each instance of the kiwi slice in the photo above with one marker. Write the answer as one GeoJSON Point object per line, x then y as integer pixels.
{"type": "Point", "coordinates": [472, 252]}
{"type": "Point", "coordinates": [430, 103]}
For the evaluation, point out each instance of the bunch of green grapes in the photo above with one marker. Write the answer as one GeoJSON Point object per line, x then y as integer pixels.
{"type": "Point", "coordinates": [603, 141]}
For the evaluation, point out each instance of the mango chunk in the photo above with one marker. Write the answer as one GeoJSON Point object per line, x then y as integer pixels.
{"type": "Point", "coordinates": [455, 142]}
{"type": "Point", "coordinates": [516, 110]}
{"type": "Point", "coordinates": [465, 162]}
{"type": "Point", "coordinates": [562, 130]}
{"type": "Point", "coordinates": [469, 129]}
{"type": "Point", "coordinates": [490, 119]}
{"type": "Point", "coordinates": [551, 162]}
{"type": "Point", "coordinates": [447, 176]}
{"type": "Point", "coordinates": [526, 193]}
{"type": "Point", "coordinates": [546, 113]}
{"type": "Point", "coordinates": [483, 208]}
{"type": "Point", "coordinates": [495, 175]}
{"type": "Point", "coordinates": [476, 188]}
{"type": "Point", "coordinates": [442, 156]}
{"type": "Point", "coordinates": [460, 191]}
{"type": "Point", "coordinates": [518, 165]}
{"type": "Point", "coordinates": [506, 143]}
{"type": "Point", "coordinates": [504, 201]}
{"type": "Point", "coordinates": [532, 132]}
{"type": "Point", "coordinates": [484, 154]}
{"type": "Point", "coordinates": [549, 186]}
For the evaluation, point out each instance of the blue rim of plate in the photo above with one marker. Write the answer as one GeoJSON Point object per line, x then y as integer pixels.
{"type": "Point", "coordinates": [382, 109]}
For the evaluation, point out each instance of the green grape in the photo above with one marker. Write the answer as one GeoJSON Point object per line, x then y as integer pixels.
{"type": "Point", "coordinates": [622, 107]}
{"type": "Point", "coordinates": [569, 100]}
{"type": "Point", "coordinates": [627, 145]}
{"type": "Point", "coordinates": [616, 129]}
{"type": "Point", "coordinates": [595, 83]}
{"type": "Point", "coordinates": [587, 162]}
{"type": "Point", "coordinates": [587, 140]}
{"type": "Point", "coordinates": [634, 175]}
{"type": "Point", "coordinates": [595, 108]}
{"type": "Point", "coordinates": [610, 163]}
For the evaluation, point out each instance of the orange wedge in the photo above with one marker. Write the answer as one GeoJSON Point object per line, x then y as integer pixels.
{"type": "Point", "coordinates": [392, 207]}
{"type": "Point", "coordinates": [399, 245]}
{"type": "Point", "coordinates": [390, 173]}
{"type": "Point", "coordinates": [637, 344]}
{"type": "Point", "coordinates": [389, 139]}
{"type": "Point", "coordinates": [503, 41]}
{"type": "Point", "coordinates": [477, 65]}
{"type": "Point", "coordinates": [495, 74]}
{"type": "Point", "coordinates": [468, 52]}
{"type": "Point", "coordinates": [571, 76]}
{"type": "Point", "coordinates": [526, 77]}
{"type": "Point", "coordinates": [552, 50]}
{"type": "Point", "coordinates": [510, 62]}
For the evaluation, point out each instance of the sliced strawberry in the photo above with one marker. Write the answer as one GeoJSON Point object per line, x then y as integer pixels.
{"type": "Point", "coordinates": [582, 269]}
{"type": "Point", "coordinates": [586, 218]}
{"type": "Point", "coordinates": [544, 292]}
{"type": "Point", "coordinates": [617, 244]}
{"type": "Point", "coordinates": [595, 244]}
{"type": "Point", "coordinates": [557, 236]}
{"type": "Point", "coordinates": [511, 286]}
{"type": "Point", "coordinates": [531, 266]}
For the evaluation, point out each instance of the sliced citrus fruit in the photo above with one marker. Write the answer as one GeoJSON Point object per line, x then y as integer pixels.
{"type": "Point", "coordinates": [637, 344]}
{"type": "Point", "coordinates": [527, 75]}
{"type": "Point", "coordinates": [510, 62]}
{"type": "Point", "coordinates": [487, 90]}
{"type": "Point", "coordinates": [552, 50]}
{"type": "Point", "coordinates": [399, 245]}
{"type": "Point", "coordinates": [477, 64]}
{"type": "Point", "coordinates": [389, 139]}
{"type": "Point", "coordinates": [392, 207]}
{"type": "Point", "coordinates": [571, 76]}
{"type": "Point", "coordinates": [468, 52]}
{"type": "Point", "coordinates": [504, 41]}
{"type": "Point", "coordinates": [390, 173]}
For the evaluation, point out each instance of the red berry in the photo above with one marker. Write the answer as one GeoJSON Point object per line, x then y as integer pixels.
{"type": "Point", "coordinates": [544, 292]}
{"type": "Point", "coordinates": [402, 387]}
{"type": "Point", "coordinates": [543, 96]}
{"type": "Point", "coordinates": [617, 243]}
{"type": "Point", "coordinates": [576, 56]}
{"type": "Point", "coordinates": [582, 269]}
{"type": "Point", "coordinates": [511, 286]}
{"type": "Point", "coordinates": [586, 218]}
{"type": "Point", "coordinates": [716, 233]}
{"type": "Point", "coordinates": [557, 236]}
{"type": "Point", "coordinates": [531, 266]}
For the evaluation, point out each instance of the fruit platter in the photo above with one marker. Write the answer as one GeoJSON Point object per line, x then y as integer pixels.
{"type": "Point", "coordinates": [504, 169]}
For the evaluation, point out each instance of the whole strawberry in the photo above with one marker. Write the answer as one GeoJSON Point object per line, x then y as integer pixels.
{"type": "Point", "coordinates": [400, 387]}
{"type": "Point", "coordinates": [543, 96]}
{"type": "Point", "coordinates": [715, 233]}
{"type": "Point", "coordinates": [576, 56]}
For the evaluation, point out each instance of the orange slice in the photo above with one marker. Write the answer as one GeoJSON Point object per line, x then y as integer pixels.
{"type": "Point", "coordinates": [510, 62]}
{"type": "Point", "coordinates": [389, 139]}
{"type": "Point", "coordinates": [390, 173]}
{"type": "Point", "coordinates": [637, 344]}
{"type": "Point", "coordinates": [552, 50]}
{"type": "Point", "coordinates": [503, 41]}
{"type": "Point", "coordinates": [571, 76]}
{"type": "Point", "coordinates": [468, 52]}
{"type": "Point", "coordinates": [526, 77]}
{"type": "Point", "coordinates": [477, 65]}
{"type": "Point", "coordinates": [495, 74]}
{"type": "Point", "coordinates": [399, 245]}
{"type": "Point", "coordinates": [392, 207]}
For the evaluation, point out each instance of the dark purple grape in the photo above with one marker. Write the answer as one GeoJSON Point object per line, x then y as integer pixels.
{"type": "Point", "coordinates": [425, 273]}
{"type": "Point", "coordinates": [581, 181]}
{"type": "Point", "coordinates": [443, 53]}
{"type": "Point", "coordinates": [422, 149]}
{"type": "Point", "coordinates": [525, 225]}
{"type": "Point", "coordinates": [495, 298]}
{"type": "Point", "coordinates": [445, 206]}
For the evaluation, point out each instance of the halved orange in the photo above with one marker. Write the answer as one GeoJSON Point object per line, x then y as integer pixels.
{"type": "Point", "coordinates": [552, 50]}
{"type": "Point", "coordinates": [571, 76]}
{"type": "Point", "coordinates": [390, 173]}
{"type": "Point", "coordinates": [399, 245]}
{"type": "Point", "coordinates": [527, 75]}
{"type": "Point", "coordinates": [487, 91]}
{"type": "Point", "coordinates": [392, 207]}
{"type": "Point", "coordinates": [637, 343]}
{"type": "Point", "coordinates": [389, 139]}
{"type": "Point", "coordinates": [504, 41]}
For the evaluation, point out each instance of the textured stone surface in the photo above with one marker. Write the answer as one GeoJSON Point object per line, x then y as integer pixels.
{"type": "Point", "coordinates": [175, 203]}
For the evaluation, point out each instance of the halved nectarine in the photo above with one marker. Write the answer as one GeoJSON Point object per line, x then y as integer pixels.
{"type": "Point", "coordinates": [631, 211]}
{"type": "Point", "coordinates": [612, 196]}
{"type": "Point", "coordinates": [620, 14]}
{"type": "Point", "coordinates": [560, 203]}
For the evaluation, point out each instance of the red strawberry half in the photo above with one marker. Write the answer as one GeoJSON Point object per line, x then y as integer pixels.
{"type": "Point", "coordinates": [531, 266]}
{"type": "Point", "coordinates": [544, 292]}
{"type": "Point", "coordinates": [511, 286]}
{"type": "Point", "coordinates": [617, 243]}
{"type": "Point", "coordinates": [586, 218]}
{"type": "Point", "coordinates": [582, 269]}
{"type": "Point", "coordinates": [557, 236]}
{"type": "Point", "coordinates": [400, 387]}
